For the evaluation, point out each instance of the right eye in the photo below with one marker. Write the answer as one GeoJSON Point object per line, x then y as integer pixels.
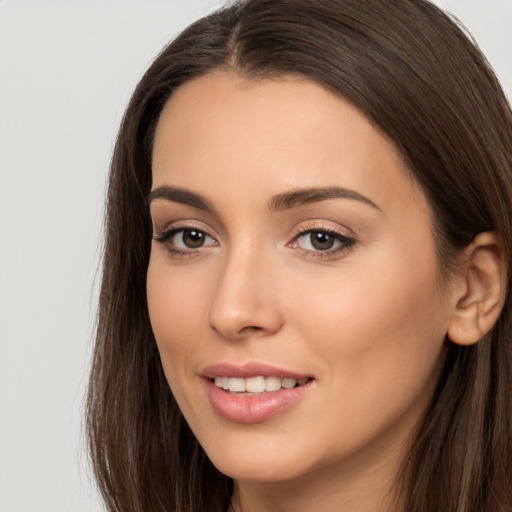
{"type": "Point", "coordinates": [185, 240]}
{"type": "Point", "coordinates": [190, 239]}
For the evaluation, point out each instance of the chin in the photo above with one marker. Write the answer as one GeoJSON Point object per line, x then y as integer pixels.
{"type": "Point", "coordinates": [258, 470]}
{"type": "Point", "coordinates": [259, 458]}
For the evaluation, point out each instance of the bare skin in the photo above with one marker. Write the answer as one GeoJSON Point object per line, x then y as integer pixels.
{"type": "Point", "coordinates": [342, 287]}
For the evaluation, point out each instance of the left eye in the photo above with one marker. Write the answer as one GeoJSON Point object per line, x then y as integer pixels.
{"type": "Point", "coordinates": [318, 240]}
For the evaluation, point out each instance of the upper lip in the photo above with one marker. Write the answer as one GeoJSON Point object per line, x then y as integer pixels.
{"type": "Point", "coordinates": [247, 370]}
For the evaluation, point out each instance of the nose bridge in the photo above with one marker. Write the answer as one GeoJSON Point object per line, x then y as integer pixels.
{"type": "Point", "coordinates": [245, 301]}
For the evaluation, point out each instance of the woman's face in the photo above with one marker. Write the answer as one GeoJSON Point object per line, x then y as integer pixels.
{"type": "Point", "coordinates": [294, 265]}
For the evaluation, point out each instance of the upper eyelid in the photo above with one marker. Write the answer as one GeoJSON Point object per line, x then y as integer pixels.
{"type": "Point", "coordinates": [333, 232]}
{"type": "Point", "coordinates": [325, 225]}
{"type": "Point", "coordinates": [302, 228]}
{"type": "Point", "coordinates": [346, 244]}
{"type": "Point", "coordinates": [172, 230]}
{"type": "Point", "coordinates": [303, 231]}
{"type": "Point", "coordinates": [165, 238]}
{"type": "Point", "coordinates": [184, 224]}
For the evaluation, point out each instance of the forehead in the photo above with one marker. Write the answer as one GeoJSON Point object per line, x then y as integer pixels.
{"type": "Point", "coordinates": [274, 134]}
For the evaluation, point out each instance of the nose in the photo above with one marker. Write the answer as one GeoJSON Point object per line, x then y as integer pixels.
{"type": "Point", "coordinates": [245, 302]}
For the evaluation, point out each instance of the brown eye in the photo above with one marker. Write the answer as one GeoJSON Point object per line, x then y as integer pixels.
{"type": "Point", "coordinates": [185, 240]}
{"type": "Point", "coordinates": [191, 238]}
{"type": "Point", "coordinates": [321, 240]}
{"type": "Point", "coordinates": [318, 241]}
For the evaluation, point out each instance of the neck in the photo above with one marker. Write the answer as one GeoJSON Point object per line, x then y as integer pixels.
{"type": "Point", "coordinates": [349, 487]}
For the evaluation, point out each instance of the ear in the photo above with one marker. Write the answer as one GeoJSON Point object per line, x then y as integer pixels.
{"type": "Point", "coordinates": [480, 289]}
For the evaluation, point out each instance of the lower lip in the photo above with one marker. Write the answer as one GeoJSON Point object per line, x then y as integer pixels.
{"type": "Point", "coordinates": [256, 408]}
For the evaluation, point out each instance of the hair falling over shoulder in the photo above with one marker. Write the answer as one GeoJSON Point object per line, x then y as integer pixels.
{"type": "Point", "coordinates": [414, 72]}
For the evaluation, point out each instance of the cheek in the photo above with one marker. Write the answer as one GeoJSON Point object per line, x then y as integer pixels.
{"type": "Point", "coordinates": [380, 333]}
{"type": "Point", "coordinates": [173, 304]}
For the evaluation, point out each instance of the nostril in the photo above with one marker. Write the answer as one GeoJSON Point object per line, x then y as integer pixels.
{"type": "Point", "coordinates": [237, 319]}
{"type": "Point", "coordinates": [251, 328]}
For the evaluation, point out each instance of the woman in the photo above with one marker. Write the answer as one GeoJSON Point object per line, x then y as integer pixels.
{"type": "Point", "coordinates": [305, 289]}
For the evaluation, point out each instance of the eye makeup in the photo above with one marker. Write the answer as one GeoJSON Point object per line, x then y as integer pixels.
{"type": "Point", "coordinates": [184, 240]}
{"type": "Point", "coordinates": [313, 240]}
{"type": "Point", "coordinates": [322, 242]}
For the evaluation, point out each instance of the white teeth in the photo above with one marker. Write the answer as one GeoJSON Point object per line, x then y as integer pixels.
{"type": "Point", "coordinates": [257, 384]}
{"type": "Point", "coordinates": [236, 384]}
{"type": "Point", "coordinates": [272, 383]}
{"type": "Point", "coordinates": [289, 383]}
{"type": "Point", "coordinates": [222, 382]}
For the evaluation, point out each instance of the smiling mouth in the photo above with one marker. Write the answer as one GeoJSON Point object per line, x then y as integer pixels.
{"type": "Point", "coordinates": [256, 385]}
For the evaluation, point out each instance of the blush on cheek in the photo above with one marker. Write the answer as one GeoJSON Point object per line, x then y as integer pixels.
{"type": "Point", "coordinates": [380, 323]}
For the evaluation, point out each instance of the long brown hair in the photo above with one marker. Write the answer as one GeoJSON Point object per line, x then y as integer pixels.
{"type": "Point", "coordinates": [418, 77]}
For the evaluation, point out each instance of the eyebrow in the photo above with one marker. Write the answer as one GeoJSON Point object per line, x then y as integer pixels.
{"type": "Point", "coordinates": [312, 195]}
{"type": "Point", "coordinates": [182, 196]}
{"type": "Point", "coordinates": [279, 202]}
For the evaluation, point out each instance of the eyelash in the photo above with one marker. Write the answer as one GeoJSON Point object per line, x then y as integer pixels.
{"type": "Point", "coordinates": [345, 242]}
{"type": "Point", "coordinates": [166, 236]}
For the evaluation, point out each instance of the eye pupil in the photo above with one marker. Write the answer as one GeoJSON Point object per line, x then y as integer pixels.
{"type": "Point", "coordinates": [321, 240]}
{"type": "Point", "coordinates": [193, 238]}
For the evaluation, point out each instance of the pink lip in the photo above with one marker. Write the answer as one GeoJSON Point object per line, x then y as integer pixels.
{"type": "Point", "coordinates": [248, 370]}
{"type": "Point", "coordinates": [256, 408]}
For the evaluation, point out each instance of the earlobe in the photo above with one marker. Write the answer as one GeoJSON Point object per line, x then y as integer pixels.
{"type": "Point", "coordinates": [481, 289]}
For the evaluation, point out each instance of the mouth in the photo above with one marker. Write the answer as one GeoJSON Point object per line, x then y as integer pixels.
{"type": "Point", "coordinates": [258, 385]}
{"type": "Point", "coordinates": [254, 392]}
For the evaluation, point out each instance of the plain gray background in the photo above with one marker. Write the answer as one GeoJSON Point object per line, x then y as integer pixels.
{"type": "Point", "coordinates": [67, 69]}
